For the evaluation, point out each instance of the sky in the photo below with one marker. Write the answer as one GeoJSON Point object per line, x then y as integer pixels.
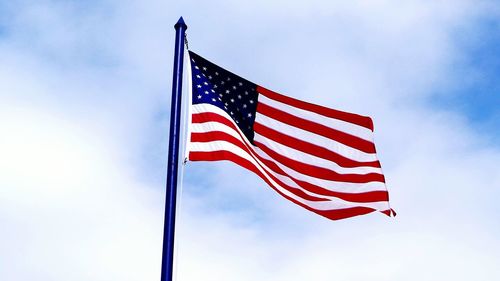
{"type": "Point", "coordinates": [84, 113]}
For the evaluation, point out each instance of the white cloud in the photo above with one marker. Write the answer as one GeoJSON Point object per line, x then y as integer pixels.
{"type": "Point", "coordinates": [70, 209]}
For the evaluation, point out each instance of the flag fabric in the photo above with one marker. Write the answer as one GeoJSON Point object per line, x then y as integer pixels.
{"type": "Point", "coordinates": [319, 158]}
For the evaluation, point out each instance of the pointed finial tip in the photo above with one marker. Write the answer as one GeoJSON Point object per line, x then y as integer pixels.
{"type": "Point", "coordinates": [180, 23]}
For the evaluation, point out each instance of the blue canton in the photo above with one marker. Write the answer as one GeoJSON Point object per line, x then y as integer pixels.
{"type": "Point", "coordinates": [231, 93]}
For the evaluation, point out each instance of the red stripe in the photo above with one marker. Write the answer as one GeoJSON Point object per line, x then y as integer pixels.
{"type": "Point", "coordinates": [310, 148]}
{"type": "Point", "coordinates": [319, 172]}
{"type": "Point", "coordinates": [365, 197]}
{"type": "Point", "coordinates": [319, 129]}
{"type": "Point", "coordinates": [216, 135]}
{"type": "Point", "coordinates": [339, 214]}
{"type": "Point", "coordinates": [226, 155]}
{"type": "Point", "coordinates": [209, 117]}
{"type": "Point", "coordinates": [363, 121]}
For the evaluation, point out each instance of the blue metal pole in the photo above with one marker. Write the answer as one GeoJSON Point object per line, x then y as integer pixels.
{"type": "Point", "coordinates": [167, 261]}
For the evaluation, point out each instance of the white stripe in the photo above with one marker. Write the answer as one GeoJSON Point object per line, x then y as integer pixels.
{"type": "Point", "coordinates": [348, 187]}
{"type": "Point", "coordinates": [311, 159]}
{"type": "Point", "coordinates": [332, 145]}
{"type": "Point", "coordinates": [344, 126]}
{"type": "Point", "coordinates": [333, 203]}
{"type": "Point", "coordinates": [206, 107]}
{"type": "Point", "coordinates": [286, 151]}
{"type": "Point", "coordinates": [331, 185]}
{"type": "Point", "coordinates": [216, 126]}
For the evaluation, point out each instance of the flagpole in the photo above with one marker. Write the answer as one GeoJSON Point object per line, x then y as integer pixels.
{"type": "Point", "coordinates": [167, 260]}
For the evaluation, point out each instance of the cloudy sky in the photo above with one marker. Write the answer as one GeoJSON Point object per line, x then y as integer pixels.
{"type": "Point", "coordinates": [84, 112]}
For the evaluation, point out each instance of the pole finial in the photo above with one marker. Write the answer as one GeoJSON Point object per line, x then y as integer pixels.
{"type": "Point", "coordinates": [180, 23]}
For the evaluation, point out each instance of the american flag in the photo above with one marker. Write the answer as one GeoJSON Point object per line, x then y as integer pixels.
{"type": "Point", "coordinates": [319, 158]}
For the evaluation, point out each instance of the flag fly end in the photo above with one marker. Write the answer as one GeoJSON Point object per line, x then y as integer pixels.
{"type": "Point", "coordinates": [389, 213]}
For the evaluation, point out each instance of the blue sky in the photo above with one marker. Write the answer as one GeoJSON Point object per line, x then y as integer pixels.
{"type": "Point", "coordinates": [84, 106]}
{"type": "Point", "coordinates": [477, 95]}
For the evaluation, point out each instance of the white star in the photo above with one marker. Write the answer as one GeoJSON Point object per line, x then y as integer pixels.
{"type": "Point", "coordinates": [225, 107]}
{"type": "Point", "coordinates": [205, 83]}
{"type": "Point", "coordinates": [234, 87]}
{"type": "Point", "coordinates": [232, 113]}
{"type": "Point", "coordinates": [206, 92]}
{"type": "Point", "coordinates": [204, 68]}
{"type": "Point", "coordinates": [222, 82]}
{"type": "Point", "coordinates": [239, 96]}
{"type": "Point", "coordinates": [227, 92]}
{"type": "Point", "coordinates": [199, 86]}
{"type": "Point", "coordinates": [203, 75]}
{"type": "Point", "coordinates": [192, 60]}
{"type": "Point", "coordinates": [210, 77]}
{"type": "Point", "coordinates": [232, 100]}
{"type": "Point", "coordinates": [217, 73]}
{"type": "Point", "coordinates": [228, 79]}
{"type": "Point", "coordinates": [225, 104]}
{"type": "Point", "coordinates": [237, 122]}
{"type": "Point", "coordinates": [246, 93]}
{"type": "Point", "coordinates": [219, 99]}
{"type": "Point", "coordinates": [212, 90]}
{"type": "Point", "coordinates": [215, 86]}
{"type": "Point", "coordinates": [244, 105]}
{"type": "Point", "coordinates": [251, 101]}
{"type": "Point", "coordinates": [220, 95]}
{"type": "Point", "coordinates": [196, 67]}
{"type": "Point", "coordinates": [213, 99]}
{"type": "Point", "coordinates": [199, 96]}
{"type": "Point", "coordinates": [241, 84]}
{"type": "Point", "coordinates": [198, 76]}
{"type": "Point", "coordinates": [249, 114]}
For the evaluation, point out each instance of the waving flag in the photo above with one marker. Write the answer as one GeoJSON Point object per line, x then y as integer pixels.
{"type": "Point", "coordinates": [319, 158]}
